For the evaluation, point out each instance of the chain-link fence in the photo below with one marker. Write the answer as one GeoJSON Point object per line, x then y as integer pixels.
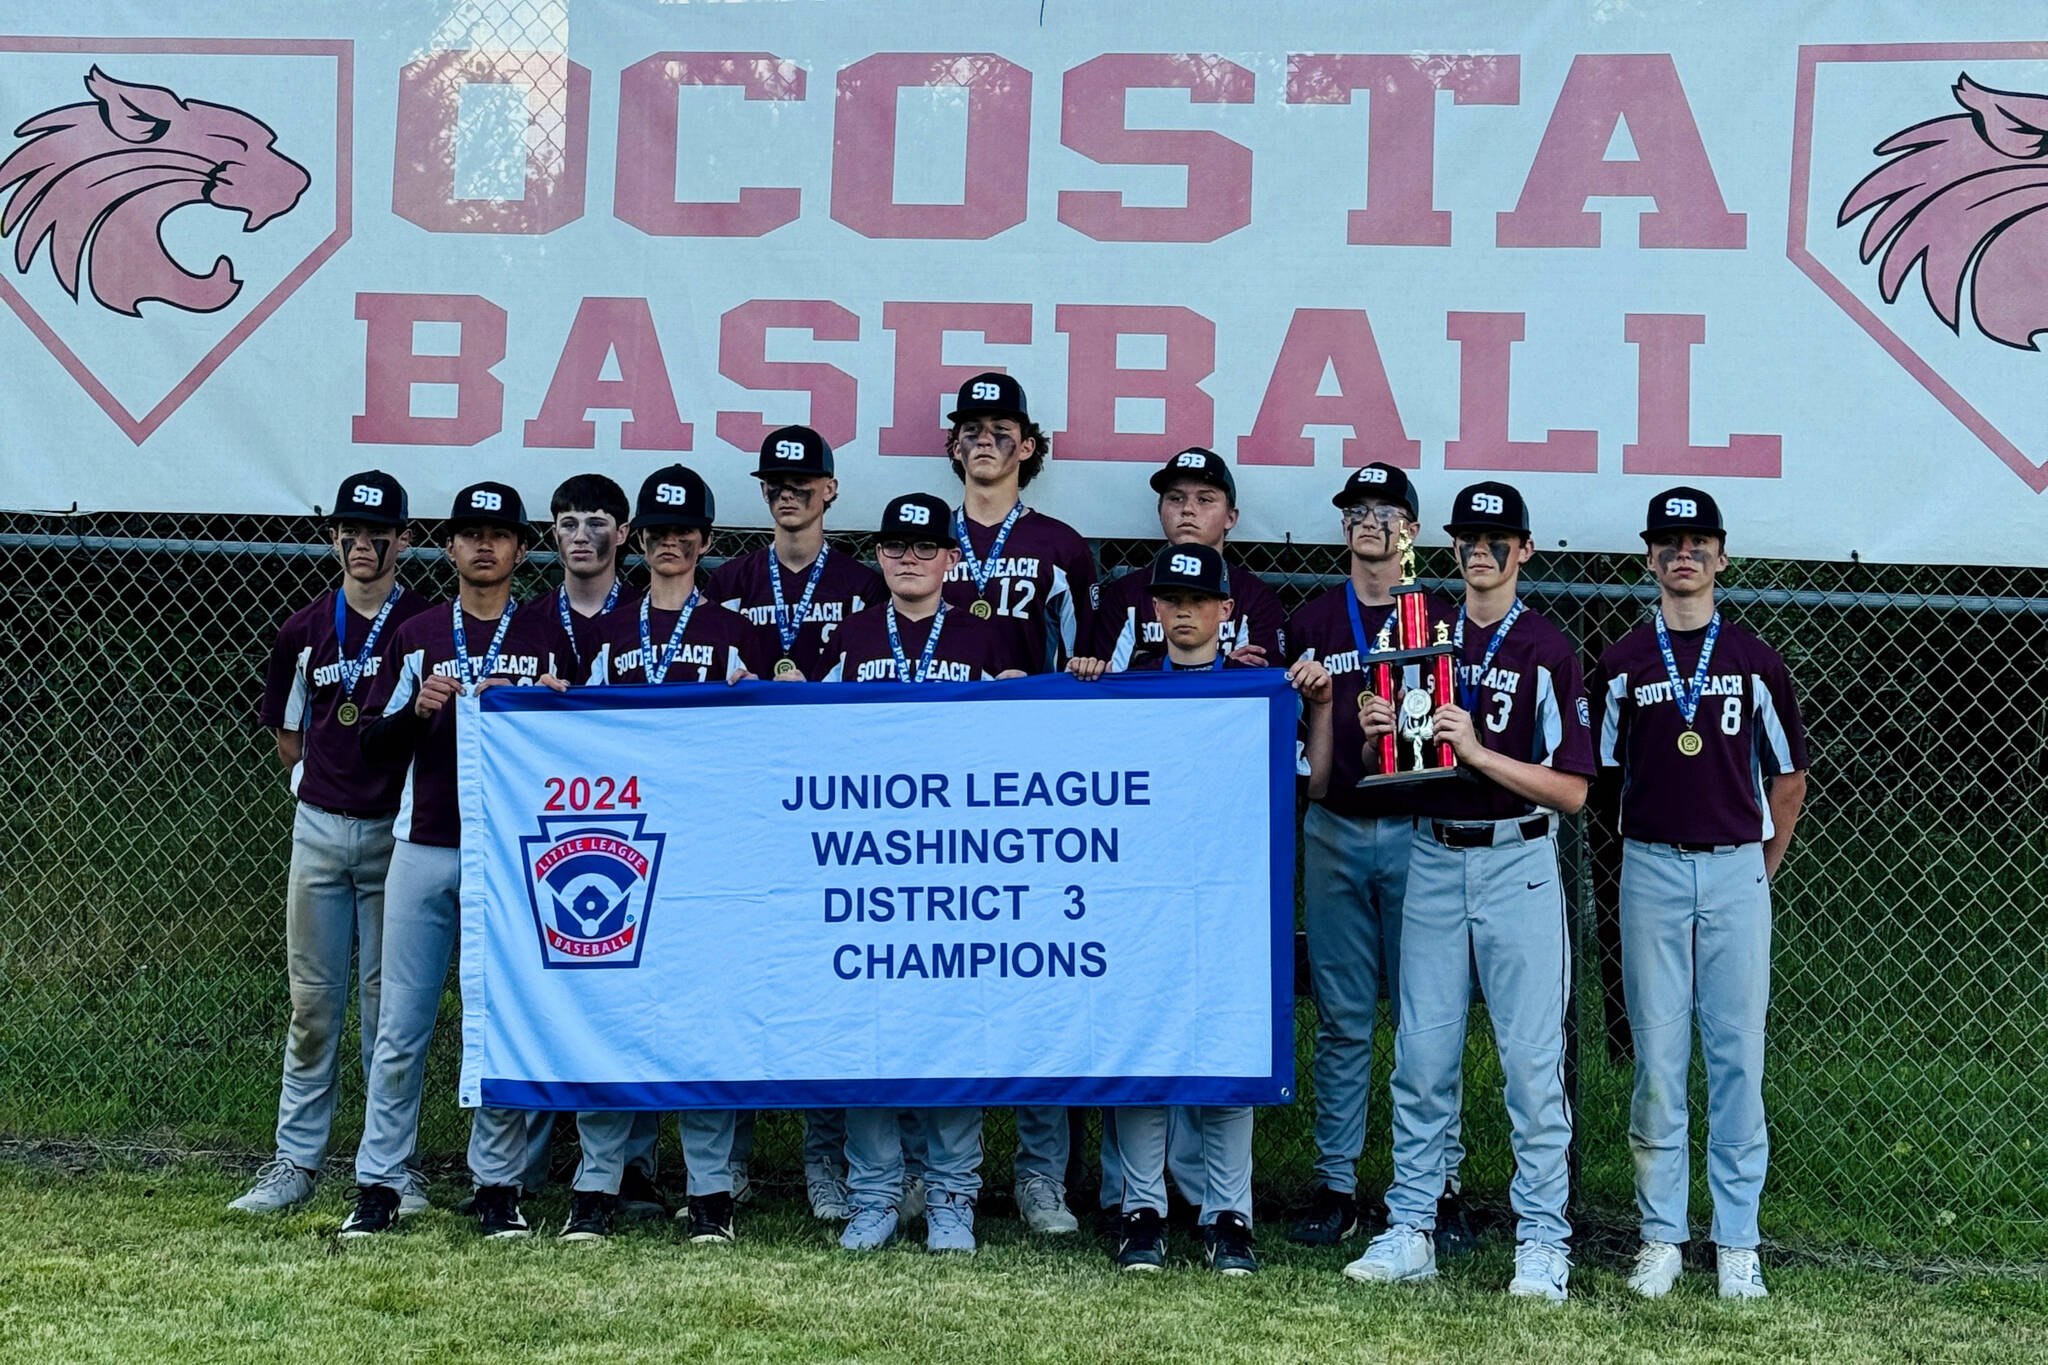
{"type": "Point", "coordinates": [145, 834]}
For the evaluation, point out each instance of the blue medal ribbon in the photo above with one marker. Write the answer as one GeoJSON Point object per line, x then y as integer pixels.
{"type": "Point", "coordinates": [1687, 698]}
{"type": "Point", "coordinates": [931, 647]}
{"type": "Point", "coordinates": [656, 672]}
{"type": "Point", "coordinates": [785, 629]}
{"type": "Point", "coordinates": [611, 600]}
{"type": "Point", "coordinates": [981, 570]}
{"type": "Point", "coordinates": [352, 672]}
{"type": "Point", "coordinates": [1468, 693]}
{"type": "Point", "coordinates": [1358, 626]}
{"type": "Point", "coordinates": [463, 675]}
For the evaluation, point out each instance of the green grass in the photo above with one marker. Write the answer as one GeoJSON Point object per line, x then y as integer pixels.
{"type": "Point", "coordinates": [134, 1265]}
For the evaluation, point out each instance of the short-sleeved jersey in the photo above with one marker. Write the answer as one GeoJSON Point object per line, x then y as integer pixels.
{"type": "Point", "coordinates": [535, 644]}
{"type": "Point", "coordinates": [1041, 592]}
{"type": "Point", "coordinates": [1531, 706]}
{"type": "Point", "coordinates": [845, 586]}
{"type": "Point", "coordinates": [716, 644]}
{"type": "Point", "coordinates": [969, 649]}
{"type": "Point", "coordinates": [1321, 630]}
{"type": "Point", "coordinates": [1127, 630]}
{"type": "Point", "coordinates": [586, 633]}
{"type": "Point", "coordinates": [302, 690]}
{"type": "Point", "coordinates": [1748, 724]}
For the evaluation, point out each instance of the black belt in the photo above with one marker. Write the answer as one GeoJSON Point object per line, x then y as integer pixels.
{"type": "Point", "coordinates": [1704, 848]}
{"type": "Point", "coordinates": [1481, 835]}
{"type": "Point", "coordinates": [349, 814]}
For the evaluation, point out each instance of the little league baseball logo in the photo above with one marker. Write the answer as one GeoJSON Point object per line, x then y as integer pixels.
{"type": "Point", "coordinates": [590, 881]}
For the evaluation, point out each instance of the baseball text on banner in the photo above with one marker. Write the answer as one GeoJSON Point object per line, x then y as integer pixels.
{"type": "Point", "coordinates": [1029, 891]}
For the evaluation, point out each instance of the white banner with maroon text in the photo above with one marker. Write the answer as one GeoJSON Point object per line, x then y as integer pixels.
{"type": "Point", "coordinates": [1795, 252]}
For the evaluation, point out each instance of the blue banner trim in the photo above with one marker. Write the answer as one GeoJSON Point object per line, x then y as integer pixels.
{"type": "Point", "coordinates": [922, 1093]}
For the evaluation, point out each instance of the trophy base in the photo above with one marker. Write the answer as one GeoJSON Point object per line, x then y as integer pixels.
{"type": "Point", "coordinates": [1410, 778]}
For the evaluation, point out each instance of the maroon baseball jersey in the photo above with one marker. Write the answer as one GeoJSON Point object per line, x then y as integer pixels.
{"type": "Point", "coordinates": [1041, 592]}
{"type": "Point", "coordinates": [716, 644]}
{"type": "Point", "coordinates": [424, 750]}
{"type": "Point", "coordinates": [1127, 630]}
{"type": "Point", "coordinates": [1748, 727]}
{"type": "Point", "coordinates": [1531, 705]}
{"type": "Point", "coordinates": [302, 690]}
{"type": "Point", "coordinates": [969, 650]}
{"type": "Point", "coordinates": [1321, 629]}
{"type": "Point", "coordinates": [586, 633]}
{"type": "Point", "coordinates": [845, 586]}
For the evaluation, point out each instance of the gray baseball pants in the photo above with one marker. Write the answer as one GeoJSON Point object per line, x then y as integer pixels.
{"type": "Point", "coordinates": [422, 914]}
{"type": "Point", "coordinates": [1501, 909]}
{"type": "Point", "coordinates": [876, 1140]}
{"type": "Point", "coordinates": [611, 1140]}
{"type": "Point", "coordinates": [1209, 1152]}
{"type": "Point", "coordinates": [1043, 1143]}
{"type": "Point", "coordinates": [334, 908]}
{"type": "Point", "coordinates": [1696, 945]}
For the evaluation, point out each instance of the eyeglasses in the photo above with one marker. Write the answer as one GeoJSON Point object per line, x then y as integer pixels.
{"type": "Point", "coordinates": [926, 550]}
{"type": "Point", "coordinates": [1357, 515]}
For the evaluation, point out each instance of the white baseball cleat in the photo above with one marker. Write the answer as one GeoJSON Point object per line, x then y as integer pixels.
{"type": "Point", "coordinates": [831, 1201]}
{"type": "Point", "coordinates": [412, 1194]}
{"type": "Point", "coordinates": [1742, 1274]}
{"type": "Point", "coordinates": [1658, 1266]}
{"type": "Point", "coordinates": [1043, 1203]}
{"type": "Point", "coordinates": [1541, 1272]}
{"type": "Point", "coordinates": [279, 1186]}
{"type": "Point", "coordinates": [1402, 1254]}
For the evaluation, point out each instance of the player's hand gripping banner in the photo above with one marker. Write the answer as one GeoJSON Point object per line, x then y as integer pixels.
{"type": "Point", "coordinates": [1030, 891]}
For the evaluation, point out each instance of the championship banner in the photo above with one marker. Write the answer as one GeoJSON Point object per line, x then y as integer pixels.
{"type": "Point", "coordinates": [1787, 251]}
{"type": "Point", "coordinates": [1036, 891]}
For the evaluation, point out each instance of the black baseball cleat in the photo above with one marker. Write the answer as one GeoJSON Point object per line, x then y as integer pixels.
{"type": "Point", "coordinates": [640, 1197]}
{"type": "Point", "coordinates": [1329, 1218]}
{"type": "Point", "coordinates": [1454, 1235]}
{"type": "Point", "coordinates": [1141, 1241]}
{"type": "Point", "coordinates": [1227, 1245]}
{"type": "Point", "coordinates": [1109, 1222]}
{"type": "Point", "coordinates": [590, 1216]}
{"type": "Point", "coordinates": [711, 1218]}
{"type": "Point", "coordinates": [376, 1211]}
{"type": "Point", "coordinates": [497, 1213]}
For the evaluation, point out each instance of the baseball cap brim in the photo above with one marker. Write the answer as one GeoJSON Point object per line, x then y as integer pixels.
{"type": "Point", "coordinates": [1163, 479]}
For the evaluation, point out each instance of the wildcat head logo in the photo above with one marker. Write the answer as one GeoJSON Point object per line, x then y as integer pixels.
{"type": "Point", "coordinates": [96, 181]}
{"type": "Point", "coordinates": [1963, 196]}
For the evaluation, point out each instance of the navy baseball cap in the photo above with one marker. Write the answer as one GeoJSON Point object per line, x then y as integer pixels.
{"type": "Point", "coordinates": [1683, 509]}
{"type": "Point", "coordinates": [1190, 568]}
{"type": "Point", "coordinates": [794, 450]}
{"type": "Point", "coordinates": [990, 394]}
{"type": "Point", "coordinates": [674, 496]}
{"type": "Point", "coordinates": [1203, 466]}
{"type": "Point", "coordinates": [1381, 481]}
{"type": "Point", "coordinates": [1489, 506]}
{"type": "Point", "coordinates": [372, 497]}
{"type": "Point", "coordinates": [490, 504]}
{"type": "Point", "coordinates": [917, 516]}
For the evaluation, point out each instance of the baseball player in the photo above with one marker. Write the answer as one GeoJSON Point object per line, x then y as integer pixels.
{"type": "Point", "coordinates": [675, 635]}
{"type": "Point", "coordinates": [804, 589]}
{"type": "Point", "coordinates": [478, 639]}
{"type": "Point", "coordinates": [1197, 506]}
{"type": "Point", "coordinates": [1032, 577]}
{"type": "Point", "coordinates": [1191, 594]}
{"type": "Point", "coordinates": [1700, 717]}
{"type": "Point", "coordinates": [1355, 854]}
{"type": "Point", "coordinates": [1484, 892]}
{"type": "Point", "coordinates": [915, 636]}
{"type": "Point", "coordinates": [313, 695]}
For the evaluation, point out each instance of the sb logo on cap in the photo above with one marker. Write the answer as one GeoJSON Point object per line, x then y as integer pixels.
{"type": "Point", "coordinates": [1187, 564]}
{"type": "Point", "coordinates": [1369, 475]}
{"type": "Point", "coordinates": [1190, 459]}
{"type": "Point", "coordinates": [1488, 502]}
{"type": "Point", "coordinates": [484, 500]}
{"type": "Point", "coordinates": [914, 514]}
{"type": "Point", "coordinates": [789, 450]}
{"type": "Point", "coordinates": [985, 392]}
{"type": "Point", "coordinates": [671, 494]}
{"type": "Point", "coordinates": [1681, 507]}
{"type": "Point", "coordinates": [368, 496]}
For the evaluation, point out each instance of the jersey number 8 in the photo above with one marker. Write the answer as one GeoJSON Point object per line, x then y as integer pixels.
{"type": "Point", "coordinates": [1731, 716]}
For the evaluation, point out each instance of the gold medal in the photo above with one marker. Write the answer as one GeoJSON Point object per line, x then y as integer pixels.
{"type": "Point", "coordinates": [786, 668]}
{"type": "Point", "coordinates": [347, 713]}
{"type": "Point", "coordinates": [981, 609]}
{"type": "Point", "coordinates": [1690, 743]}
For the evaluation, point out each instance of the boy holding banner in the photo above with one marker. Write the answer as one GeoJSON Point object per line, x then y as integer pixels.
{"type": "Point", "coordinates": [319, 675]}
{"type": "Point", "coordinates": [1701, 718]}
{"type": "Point", "coordinates": [1484, 891]}
{"type": "Point", "coordinates": [1032, 578]}
{"type": "Point", "coordinates": [915, 637]}
{"type": "Point", "coordinates": [1190, 588]}
{"type": "Point", "coordinates": [426, 665]}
